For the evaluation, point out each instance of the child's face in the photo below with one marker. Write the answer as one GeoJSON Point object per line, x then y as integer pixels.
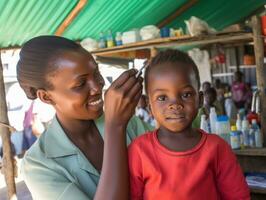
{"type": "Point", "coordinates": [209, 99]}
{"type": "Point", "coordinates": [173, 96]}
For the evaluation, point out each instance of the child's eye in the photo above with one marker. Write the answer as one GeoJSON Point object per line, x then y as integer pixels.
{"type": "Point", "coordinates": [161, 98]}
{"type": "Point", "coordinates": [186, 95]}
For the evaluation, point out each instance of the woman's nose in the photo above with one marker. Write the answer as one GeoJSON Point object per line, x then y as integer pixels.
{"type": "Point", "coordinates": [96, 86]}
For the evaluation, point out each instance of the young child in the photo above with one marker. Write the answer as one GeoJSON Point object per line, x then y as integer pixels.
{"type": "Point", "coordinates": [210, 100]}
{"type": "Point", "coordinates": [176, 161]}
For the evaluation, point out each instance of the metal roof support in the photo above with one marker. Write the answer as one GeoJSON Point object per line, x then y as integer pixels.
{"type": "Point", "coordinates": [178, 12]}
{"type": "Point", "coordinates": [72, 15]}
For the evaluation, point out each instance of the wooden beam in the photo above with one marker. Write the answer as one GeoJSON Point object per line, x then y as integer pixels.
{"type": "Point", "coordinates": [178, 12]}
{"type": "Point", "coordinates": [8, 160]}
{"type": "Point", "coordinates": [72, 15]}
{"type": "Point", "coordinates": [177, 41]}
{"type": "Point", "coordinates": [260, 71]}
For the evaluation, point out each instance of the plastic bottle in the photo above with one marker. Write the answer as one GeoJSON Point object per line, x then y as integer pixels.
{"type": "Point", "coordinates": [110, 39]}
{"type": "Point", "coordinates": [235, 138]}
{"type": "Point", "coordinates": [239, 128]}
{"type": "Point", "coordinates": [245, 132]}
{"type": "Point", "coordinates": [239, 123]}
{"type": "Point", "coordinates": [251, 135]}
{"type": "Point", "coordinates": [223, 127]}
{"type": "Point", "coordinates": [213, 119]}
{"type": "Point", "coordinates": [102, 41]}
{"type": "Point", "coordinates": [118, 39]}
{"type": "Point", "coordinates": [204, 124]}
{"type": "Point", "coordinates": [257, 134]}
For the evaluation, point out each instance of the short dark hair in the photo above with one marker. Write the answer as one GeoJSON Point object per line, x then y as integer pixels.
{"type": "Point", "coordinates": [171, 56]}
{"type": "Point", "coordinates": [210, 90]}
{"type": "Point", "coordinates": [35, 62]}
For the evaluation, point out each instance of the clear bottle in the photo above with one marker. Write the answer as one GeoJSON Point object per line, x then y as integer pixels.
{"type": "Point", "coordinates": [257, 134]}
{"type": "Point", "coordinates": [251, 135]}
{"type": "Point", "coordinates": [245, 132]}
{"type": "Point", "coordinates": [118, 39]}
{"type": "Point", "coordinates": [213, 119]}
{"type": "Point", "coordinates": [239, 128]}
{"type": "Point", "coordinates": [102, 41]}
{"type": "Point", "coordinates": [204, 124]}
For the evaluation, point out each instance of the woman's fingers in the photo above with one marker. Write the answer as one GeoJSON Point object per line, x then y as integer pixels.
{"type": "Point", "coordinates": [136, 87]}
{"type": "Point", "coordinates": [123, 78]}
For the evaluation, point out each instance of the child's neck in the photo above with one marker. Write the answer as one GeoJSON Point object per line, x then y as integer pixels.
{"type": "Point", "coordinates": [178, 141]}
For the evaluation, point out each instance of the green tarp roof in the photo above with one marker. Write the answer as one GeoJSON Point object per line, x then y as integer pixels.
{"type": "Point", "coordinates": [21, 20]}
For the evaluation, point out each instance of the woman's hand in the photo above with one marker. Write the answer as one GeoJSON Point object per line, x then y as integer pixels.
{"type": "Point", "coordinates": [121, 98]}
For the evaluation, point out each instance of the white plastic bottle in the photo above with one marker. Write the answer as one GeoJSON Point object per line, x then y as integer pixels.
{"type": "Point", "coordinates": [239, 129]}
{"type": "Point", "coordinates": [238, 123]}
{"type": "Point", "coordinates": [213, 119]}
{"type": "Point", "coordinates": [245, 132]}
{"type": "Point", "coordinates": [204, 124]}
{"type": "Point", "coordinates": [257, 134]}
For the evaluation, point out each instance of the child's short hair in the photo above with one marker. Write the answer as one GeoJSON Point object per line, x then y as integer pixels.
{"type": "Point", "coordinates": [171, 56]}
{"type": "Point", "coordinates": [211, 91]}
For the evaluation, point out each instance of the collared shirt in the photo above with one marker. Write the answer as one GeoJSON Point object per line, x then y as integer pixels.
{"type": "Point", "coordinates": [54, 168]}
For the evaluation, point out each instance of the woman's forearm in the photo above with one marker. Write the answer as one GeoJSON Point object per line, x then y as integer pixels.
{"type": "Point", "coordinates": [114, 182]}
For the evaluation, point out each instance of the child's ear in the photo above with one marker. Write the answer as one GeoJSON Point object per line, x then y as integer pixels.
{"type": "Point", "coordinates": [200, 99]}
{"type": "Point", "coordinates": [44, 96]}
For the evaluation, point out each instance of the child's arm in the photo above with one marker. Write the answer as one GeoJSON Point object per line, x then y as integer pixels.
{"type": "Point", "coordinates": [230, 179]}
{"type": "Point", "coordinates": [135, 172]}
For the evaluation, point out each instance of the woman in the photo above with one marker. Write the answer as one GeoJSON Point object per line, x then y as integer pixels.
{"type": "Point", "coordinates": [67, 160]}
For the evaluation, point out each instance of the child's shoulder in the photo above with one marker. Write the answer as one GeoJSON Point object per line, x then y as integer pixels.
{"type": "Point", "coordinates": [214, 140]}
{"type": "Point", "coordinates": [143, 139]}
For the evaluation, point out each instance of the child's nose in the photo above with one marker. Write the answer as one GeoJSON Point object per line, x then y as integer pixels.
{"type": "Point", "coordinates": [176, 104]}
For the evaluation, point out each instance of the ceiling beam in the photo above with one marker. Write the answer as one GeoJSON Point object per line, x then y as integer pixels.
{"type": "Point", "coordinates": [177, 13]}
{"type": "Point", "coordinates": [69, 19]}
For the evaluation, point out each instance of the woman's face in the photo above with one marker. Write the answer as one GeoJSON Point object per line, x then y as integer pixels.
{"type": "Point", "coordinates": [77, 86]}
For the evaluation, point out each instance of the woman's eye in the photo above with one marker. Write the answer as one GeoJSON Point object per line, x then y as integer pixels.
{"type": "Point", "coordinates": [161, 98]}
{"type": "Point", "coordinates": [80, 85]}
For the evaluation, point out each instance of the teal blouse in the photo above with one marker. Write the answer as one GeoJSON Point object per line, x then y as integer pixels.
{"type": "Point", "coordinates": [54, 168]}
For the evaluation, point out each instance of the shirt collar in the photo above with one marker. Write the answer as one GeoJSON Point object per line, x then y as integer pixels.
{"type": "Point", "coordinates": [57, 144]}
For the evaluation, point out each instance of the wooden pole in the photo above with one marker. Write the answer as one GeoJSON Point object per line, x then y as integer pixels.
{"type": "Point", "coordinates": [177, 13]}
{"type": "Point", "coordinates": [69, 19]}
{"type": "Point", "coordinates": [260, 71]}
{"type": "Point", "coordinates": [8, 164]}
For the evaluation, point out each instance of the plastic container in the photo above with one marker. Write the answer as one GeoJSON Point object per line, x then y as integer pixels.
{"type": "Point", "coordinates": [223, 127]}
{"type": "Point", "coordinates": [245, 132]}
{"type": "Point", "coordinates": [118, 39]}
{"type": "Point", "coordinates": [234, 138]}
{"type": "Point", "coordinates": [251, 135]}
{"type": "Point", "coordinates": [102, 41]}
{"type": "Point", "coordinates": [165, 32]}
{"type": "Point", "coordinates": [110, 39]}
{"type": "Point", "coordinates": [263, 24]}
{"type": "Point", "coordinates": [213, 119]}
{"type": "Point", "coordinates": [204, 124]}
{"type": "Point", "coordinates": [257, 134]}
{"type": "Point", "coordinates": [130, 37]}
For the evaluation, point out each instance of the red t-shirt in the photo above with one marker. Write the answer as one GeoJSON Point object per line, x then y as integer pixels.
{"type": "Point", "coordinates": [208, 171]}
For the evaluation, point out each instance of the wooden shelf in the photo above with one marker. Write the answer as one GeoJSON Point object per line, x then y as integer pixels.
{"type": "Point", "coordinates": [178, 41]}
{"type": "Point", "coordinates": [251, 152]}
{"type": "Point", "coordinates": [257, 190]}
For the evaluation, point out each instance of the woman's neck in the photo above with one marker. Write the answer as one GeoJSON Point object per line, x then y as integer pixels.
{"type": "Point", "coordinates": [76, 129]}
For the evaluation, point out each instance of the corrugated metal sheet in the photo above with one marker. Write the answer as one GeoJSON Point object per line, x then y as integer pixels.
{"type": "Point", "coordinates": [21, 20]}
